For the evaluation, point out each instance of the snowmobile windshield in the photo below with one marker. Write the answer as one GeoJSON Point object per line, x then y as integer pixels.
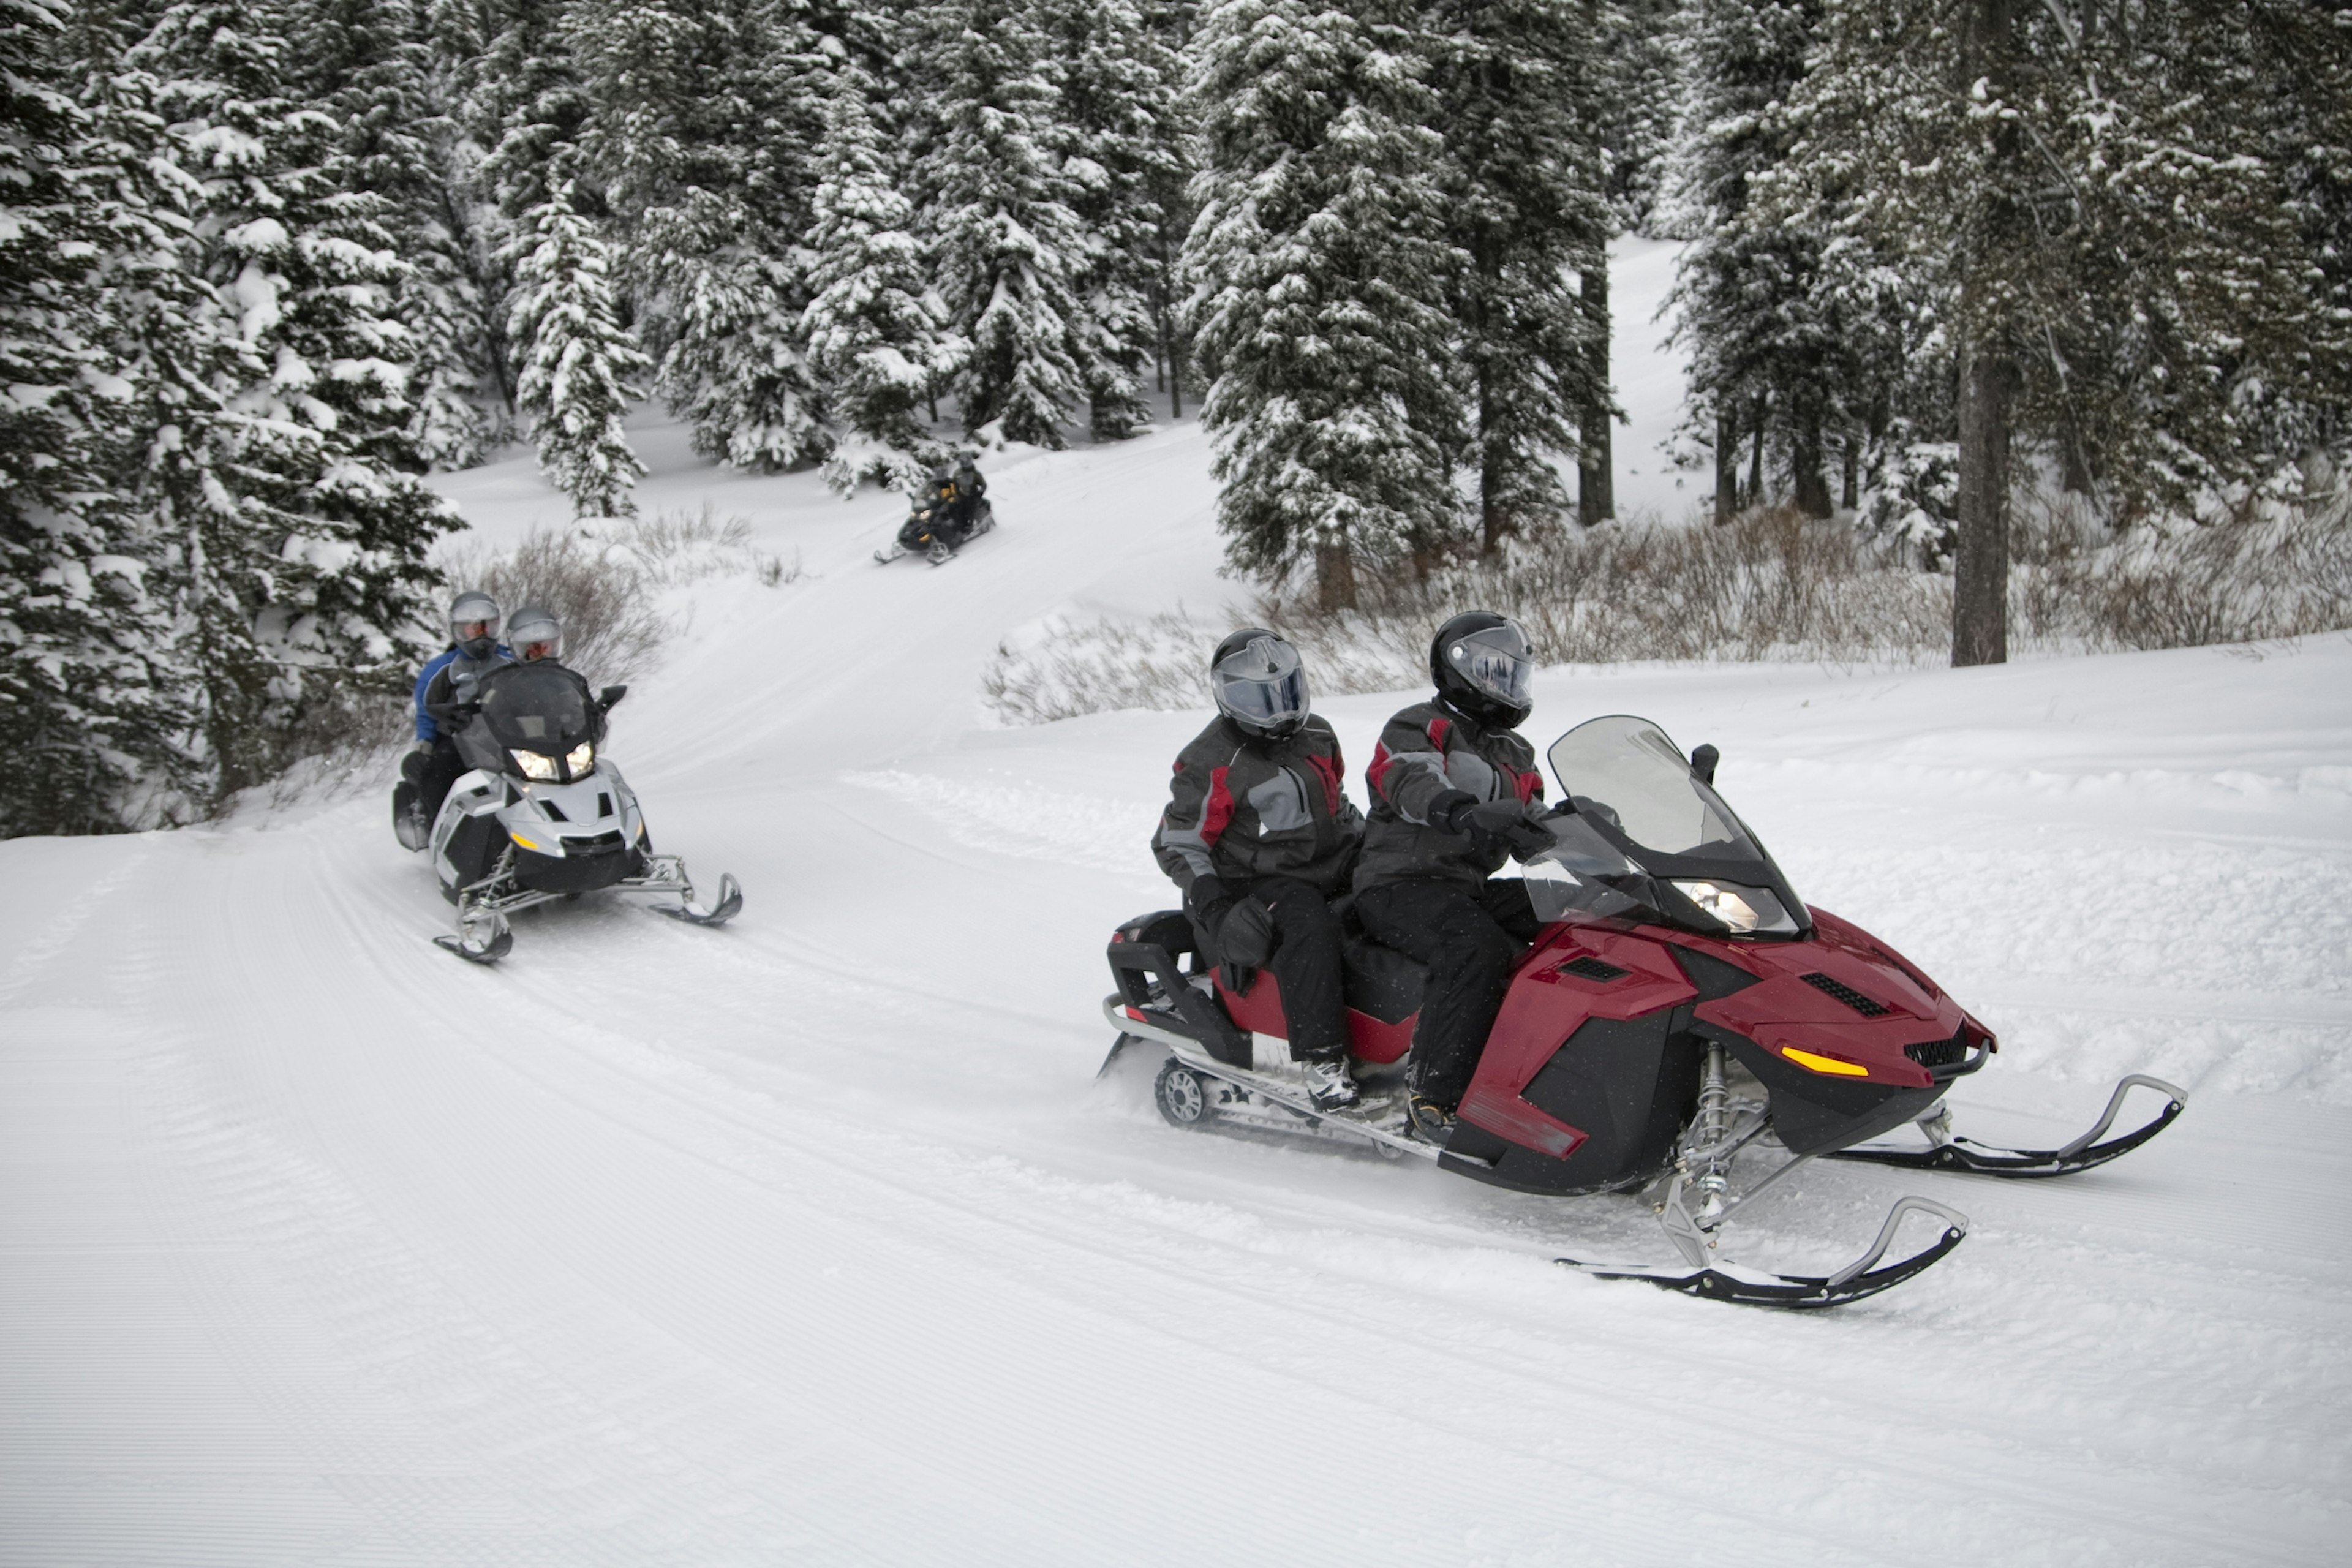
{"type": "Point", "coordinates": [540, 718]}
{"type": "Point", "coordinates": [1649, 830]}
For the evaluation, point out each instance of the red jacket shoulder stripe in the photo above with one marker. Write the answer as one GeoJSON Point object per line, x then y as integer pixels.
{"type": "Point", "coordinates": [1218, 814]}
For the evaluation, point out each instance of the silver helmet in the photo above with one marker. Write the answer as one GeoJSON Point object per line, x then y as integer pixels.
{"type": "Point", "coordinates": [534, 634]}
{"type": "Point", "coordinates": [474, 624]}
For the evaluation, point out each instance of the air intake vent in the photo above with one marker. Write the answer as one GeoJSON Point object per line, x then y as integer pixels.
{"type": "Point", "coordinates": [1933, 1054]}
{"type": "Point", "coordinates": [1849, 995]}
{"type": "Point", "coordinates": [553, 812]}
{"type": "Point", "coordinates": [1590, 968]}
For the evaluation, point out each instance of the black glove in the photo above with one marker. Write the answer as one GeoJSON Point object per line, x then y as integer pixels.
{"type": "Point", "coordinates": [1446, 809]}
{"type": "Point", "coordinates": [1246, 937]}
{"type": "Point", "coordinates": [1503, 825]}
{"type": "Point", "coordinates": [1206, 902]}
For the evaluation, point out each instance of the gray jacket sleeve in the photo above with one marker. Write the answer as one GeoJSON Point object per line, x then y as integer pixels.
{"type": "Point", "coordinates": [1180, 844]}
{"type": "Point", "coordinates": [1407, 770]}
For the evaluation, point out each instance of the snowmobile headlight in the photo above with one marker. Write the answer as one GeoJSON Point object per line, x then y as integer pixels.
{"type": "Point", "coordinates": [581, 758]}
{"type": "Point", "coordinates": [1743, 909]}
{"type": "Point", "coordinates": [534, 764]}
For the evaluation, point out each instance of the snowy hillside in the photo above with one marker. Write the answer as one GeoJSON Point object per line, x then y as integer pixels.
{"type": "Point", "coordinates": [814, 1240]}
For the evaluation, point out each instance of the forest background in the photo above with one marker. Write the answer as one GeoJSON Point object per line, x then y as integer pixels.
{"type": "Point", "coordinates": [263, 266]}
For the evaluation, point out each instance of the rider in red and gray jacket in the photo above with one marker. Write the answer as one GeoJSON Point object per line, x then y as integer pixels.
{"type": "Point", "coordinates": [1454, 792]}
{"type": "Point", "coordinates": [1260, 834]}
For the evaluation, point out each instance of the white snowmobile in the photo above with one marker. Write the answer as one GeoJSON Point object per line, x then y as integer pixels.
{"type": "Point", "coordinates": [543, 814]}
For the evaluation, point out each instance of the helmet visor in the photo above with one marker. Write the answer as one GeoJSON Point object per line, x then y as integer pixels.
{"type": "Point", "coordinates": [1262, 683]}
{"type": "Point", "coordinates": [1498, 662]}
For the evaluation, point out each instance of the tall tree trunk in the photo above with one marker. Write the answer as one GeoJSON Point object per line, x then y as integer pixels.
{"type": "Point", "coordinates": [1811, 485]}
{"type": "Point", "coordinates": [1726, 461]}
{"type": "Point", "coordinates": [1981, 565]}
{"type": "Point", "coordinates": [1850, 493]}
{"type": "Point", "coordinates": [2074, 462]}
{"type": "Point", "coordinates": [1596, 490]}
{"type": "Point", "coordinates": [1988, 375]}
{"type": "Point", "coordinates": [1335, 577]}
{"type": "Point", "coordinates": [1756, 458]}
{"type": "Point", "coordinates": [1492, 523]}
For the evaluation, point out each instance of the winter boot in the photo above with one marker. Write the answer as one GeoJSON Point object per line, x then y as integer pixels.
{"type": "Point", "coordinates": [1328, 1085]}
{"type": "Point", "coordinates": [408, 823]}
{"type": "Point", "coordinates": [1426, 1119]}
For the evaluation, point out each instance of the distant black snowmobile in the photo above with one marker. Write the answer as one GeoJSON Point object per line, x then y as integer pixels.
{"type": "Point", "coordinates": [544, 815]}
{"type": "Point", "coordinates": [1681, 1009]}
{"type": "Point", "coordinates": [937, 527]}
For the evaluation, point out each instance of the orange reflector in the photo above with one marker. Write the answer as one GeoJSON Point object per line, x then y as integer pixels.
{"type": "Point", "coordinates": [1813, 1063]}
{"type": "Point", "coordinates": [521, 839]}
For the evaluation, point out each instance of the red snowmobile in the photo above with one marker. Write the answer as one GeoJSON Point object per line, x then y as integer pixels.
{"type": "Point", "coordinates": [1682, 1023]}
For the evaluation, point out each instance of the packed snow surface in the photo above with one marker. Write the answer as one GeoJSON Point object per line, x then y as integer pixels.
{"type": "Point", "coordinates": [815, 1240]}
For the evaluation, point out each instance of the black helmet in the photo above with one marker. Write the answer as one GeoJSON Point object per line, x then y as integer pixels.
{"type": "Point", "coordinates": [469, 611]}
{"type": "Point", "coordinates": [1482, 663]}
{"type": "Point", "coordinates": [534, 626]}
{"type": "Point", "coordinates": [1259, 683]}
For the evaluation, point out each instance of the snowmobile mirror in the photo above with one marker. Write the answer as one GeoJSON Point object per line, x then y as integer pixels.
{"type": "Point", "coordinates": [610, 697]}
{"type": "Point", "coordinates": [1703, 763]}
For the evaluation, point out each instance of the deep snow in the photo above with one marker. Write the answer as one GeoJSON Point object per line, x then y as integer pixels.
{"type": "Point", "coordinates": [814, 1240]}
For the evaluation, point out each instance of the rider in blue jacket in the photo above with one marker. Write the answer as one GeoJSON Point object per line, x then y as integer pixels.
{"type": "Point", "coordinates": [444, 689]}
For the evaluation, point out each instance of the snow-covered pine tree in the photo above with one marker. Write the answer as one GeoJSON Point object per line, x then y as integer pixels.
{"type": "Point", "coordinates": [1008, 241]}
{"type": "Point", "coordinates": [575, 359]}
{"type": "Point", "coordinates": [2077, 194]}
{"type": "Point", "coordinates": [369, 63]}
{"type": "Point", "coordinates": [85, 727]}
{"type": "Point", "coordinates": [1125, 150]}
{"type": "Point", "coordinates": [298, 546]}
{"type": "Point", "coordinates": [701, 118]}
{"type": "Point", "coordinates": [517, 110]}
{"type": "Point", "coordinates": [1639, 88]}
{"type": "Point", "coordinates": [1772, 365]}
{"type": "Point", "coordinates": [1525, 209]}
{"type": "Point", "coordinates": [876, 330]}
{"type": "Point", "coordinates": [1319, 271]}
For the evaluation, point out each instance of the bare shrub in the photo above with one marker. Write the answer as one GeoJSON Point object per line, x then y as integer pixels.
{"type": "Point", "coordinates": [1770, 585]}
{"type": "Point", "coordinates": [1062, 668]}
{"type": "Point", "coordinates": [604, 580]}
{"type": "Point", "coordinates": [611, 626]}
{"type": "Point", "coordinates": [2266, 572]}
{"type": "Point", "coordinates": [672, 549]}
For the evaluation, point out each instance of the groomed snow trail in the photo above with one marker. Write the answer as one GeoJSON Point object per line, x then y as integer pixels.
{"type": "Point", "coordinates": [813, 1240]}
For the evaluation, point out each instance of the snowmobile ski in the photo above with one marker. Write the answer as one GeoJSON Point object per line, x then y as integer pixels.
{"type": "Point", "coordinates": [1761, 1287]}
{"type": "Point", "coordinates": [487, 951]}
{"type": "Point", "coordinates": [730, 902]}
{"type": "Point", "coordinates": [1947, 1152]}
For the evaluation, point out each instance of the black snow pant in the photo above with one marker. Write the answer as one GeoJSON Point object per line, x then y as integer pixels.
{"type": "Point", "coordinates": [1467, 938]}
{"type": "Point", "coordinates": [1307, 964]}
{"type": "Point", "coordinates": [434, 774]}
